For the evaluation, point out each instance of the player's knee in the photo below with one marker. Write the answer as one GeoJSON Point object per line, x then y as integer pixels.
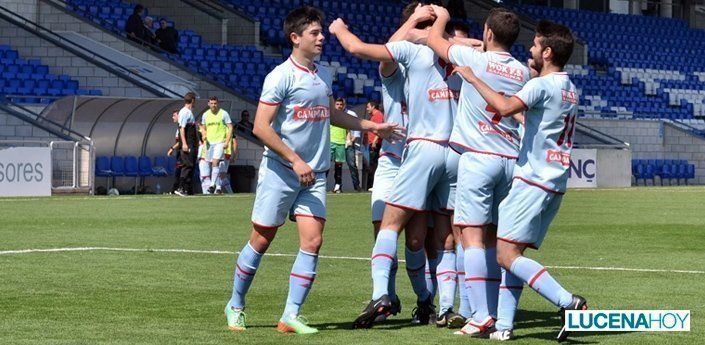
{"type": "Point", "coordinates": [506, 256]}
{"type": "Point", "coordinates": [312, 244]}
{"type": "Point", "coordinates": [414, 243]}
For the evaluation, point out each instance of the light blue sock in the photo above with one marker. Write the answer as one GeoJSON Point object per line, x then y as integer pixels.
{"type": "Point", "coordinates": [382, 257]}
{"type": "Point", "coordinates": [464, 308]}
{"type": "Point", "coordinates": [447, 279]}
{"type": "Point", "coordinates": [430, 276]}
{"type": "Point", "coordinates": [509, 293]}
{"type": "Point", "coordinates": [245, 269]}
{"type": "Point", "coordinates": [300, 281]}
{"type": "Point", "coordinates": [476, 277]}
{"type": "Point", "coordinates": [415, 264]}
{"type": "Point", "coordinates": [538, 279]}
{"type": "Point", "coordinates": [494, 272]}
{"type": "Point", "coordinates": [392, 287]}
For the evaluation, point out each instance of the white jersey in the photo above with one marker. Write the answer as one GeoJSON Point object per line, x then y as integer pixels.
{"type": "Point", "coordinates": [186, 117]}
{"type": "Point", "coordinates": [394, 98]}
{"type": "Point", "coordinates": [552, 107]}
{"type": "Point", "coordinates": [478, 127]}
{"type": "Point", "coordinates": [433, 91]}
{"type": "Point", "coordinates": [303, 118]}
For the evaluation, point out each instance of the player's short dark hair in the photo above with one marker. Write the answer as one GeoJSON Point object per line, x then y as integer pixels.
{"type": "Point", "coordinates": [175, 110]}
{"type": "Point", "coordinates": [340, 99]}
{"type": "Point", "coordinates": [504, 25]}
{"type": "Point", "coordinates": [138, 8]}
{"type": "Point", "coordinates": [557, 37]}
{"type": "Point", "coordinates": [297, 20]}
{"type": "Point", "coordinates": [408, 11]}
{"type": "Point", "coordinates": [454, 25]}
{"type": "Point", "coordinates": [374, 104]}
{"type": "Point", "coordinates": [245, 111]}
{"type": "Point", "coordinates": [189, 98]}
{"type": "Point", "coordinates": [213, 98]}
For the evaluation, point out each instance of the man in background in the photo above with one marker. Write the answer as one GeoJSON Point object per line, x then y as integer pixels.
{"type": "Point", "coordinates": [352, 145]}
{"type": "Point", "coordinates": [374, 142]}
{"type": "Point", "coordinates": [167, 37]}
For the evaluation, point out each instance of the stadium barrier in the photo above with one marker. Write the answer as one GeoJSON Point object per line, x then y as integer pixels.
{"type": "Point", "coordinates": [43, 168]}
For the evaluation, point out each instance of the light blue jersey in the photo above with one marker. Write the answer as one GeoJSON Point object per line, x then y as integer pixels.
{"type": "Point", "coordinates": [478, 127]}
{"type": "Point", "coordinates": [552, 107]}
{"type": "Point", "coordinates": [303, 118]}
{"type": "Point", "coordinates": [394, 98]}
{"type": "Point", "coordinates": [432, 88]}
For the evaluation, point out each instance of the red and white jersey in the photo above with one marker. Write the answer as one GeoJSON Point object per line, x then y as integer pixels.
{"type": "Point", "coordinates": [303, 118]}
{"type": "Point", "coordinates": [552, 108]}
{"type": "Point", "coordinates": [478, 127]}
{"type": "Point", "coordinates": [432, 91]}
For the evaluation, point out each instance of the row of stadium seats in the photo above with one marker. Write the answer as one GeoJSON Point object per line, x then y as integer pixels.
{"type": "Point", "coordinates": [29, 81]}
{"type": "Point", "coordinates": [131, 166]}
{"type": "Point", "coordinates": [665, 169]}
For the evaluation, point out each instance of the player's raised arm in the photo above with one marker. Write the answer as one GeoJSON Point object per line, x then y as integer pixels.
{"type": "Point", "coordinates": [504, 106]}
{"type": "Point", "coordinates": [264, 131]}
{"type": "Point", "coordinates": [355, 46]}
{"type": "Point", "coordinates": [436, 39]}
{"type": "Point", "coordinates": [388, 131]}
{"type": "Point", "coordinates": [408, 32]}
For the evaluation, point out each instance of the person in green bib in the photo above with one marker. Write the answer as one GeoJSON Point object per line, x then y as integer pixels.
{"type": "Point", "coordinates": [337, 154]}
{"type": "Point", "coordinates": [217, 129]}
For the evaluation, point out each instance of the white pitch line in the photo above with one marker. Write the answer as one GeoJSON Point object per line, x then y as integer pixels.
{"type": "Point", "coordinates": [196, 251]}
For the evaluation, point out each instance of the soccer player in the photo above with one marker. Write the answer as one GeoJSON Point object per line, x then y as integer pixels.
{"type": "Point", "coordinates": [293, 119]}
{"type": "Point", "coordinates": [189, 144]}
{"type": "Point", "coordinates": [228, 156]}
{"type": "Point", "coordinates": [541, 171]}
{"type": "Point", "coordinates": [204, 167]}
{"type": "Point", "coordinates": [338, 136]}
{"type": "Point", "coordinates": [489, 144]}
{"type": "Point", "coordinates": [217, 133]}
{"type": "Point", "coordinates": [352, 145]}
{"type": "Point", "coordinates": [432, 100]}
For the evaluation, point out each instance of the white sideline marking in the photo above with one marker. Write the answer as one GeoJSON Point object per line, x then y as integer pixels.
{"type": "Point", "coordinates": [195, 251]}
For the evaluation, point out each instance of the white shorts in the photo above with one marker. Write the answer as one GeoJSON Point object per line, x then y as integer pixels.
{"type": "Point", "coordinates": [421, 176]}
{"type": "Point", "coordinates": [279, 193]}
{"type": "Point", "coordinates": [215, 151]}
{"type": "Point", "coordinates": [526, 213]}
{"type": "Point", "coordinates": [484, 181]}
{"type": "Point", "coordinates": [387, 169]}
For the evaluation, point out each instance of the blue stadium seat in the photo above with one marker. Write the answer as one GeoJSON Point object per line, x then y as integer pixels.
{"type": "Point", "coordinates": [171, 165]}
{"type": "Point", "coordinates": [159, 168]}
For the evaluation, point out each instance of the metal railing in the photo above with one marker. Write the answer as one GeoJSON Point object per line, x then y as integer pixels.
{"type": "Point", "coordinates": [93, 57]}
{"type": "Point", "coordinates": [39, 121]}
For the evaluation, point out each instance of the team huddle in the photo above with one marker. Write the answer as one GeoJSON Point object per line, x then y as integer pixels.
{"type": "Point", "coordinates": [473, 167]}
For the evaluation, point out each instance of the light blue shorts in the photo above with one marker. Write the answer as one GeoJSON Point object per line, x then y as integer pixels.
{"type": "Point", "coordinates": [483, 182]}
{"type": "Point", "coordinates": [279, 193]}
{"type": "Point", "coordinates": [526, 213]}
{"type": "Point", "coordinates": [444, 201]}
{"type": "Point", "coordinates": [421, 176]}
{"type": "Point", "coordinates": [387, 169]}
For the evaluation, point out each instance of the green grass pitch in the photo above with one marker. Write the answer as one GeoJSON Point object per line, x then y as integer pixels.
{"type": "Point", "coordinates": [145, 297]}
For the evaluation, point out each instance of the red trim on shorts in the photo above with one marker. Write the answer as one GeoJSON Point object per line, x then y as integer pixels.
{"type": "Point", "coordinates": [445, 272]}
{"type": "Point", "coordinates": [309, 216]}
{"type": "Point", "coordinates": [538, 185]}
{"type": "Point", "coordinates": [266, 227]}
{"type": "Point", "coordinates": [472, 225]}
{"type": "Point", "coordinates": [270, 103]}
{"type": "Point", "coordinates": [390, 53]}
{"type": "Point", "coordinates": [437, 141]}
{"type": "Point", "coordinates": [243, 271]}
{"type": "Point", "coordinates": [461, 273]}
{"type": "Point", "coordinates": [470, 149]}
{"type": "Point", "coordinates": [302, 277]}
{"type": "Point", "coordinates": [383, 256]}
{"type": "Point", "coordinates": [536, 276]}
{"type": "Point", "coordinates": [512, 287]}
{"type": "Point", "coordinates": [520, 100]}
{"type": "Point", "coordinates": [389, 154]}
{"type": "Point", "coordinates": [405, 207]}
{"type": "Point", "coordinates": [482, 279]}
{"type": "Point", "coordinates": [530, 245]}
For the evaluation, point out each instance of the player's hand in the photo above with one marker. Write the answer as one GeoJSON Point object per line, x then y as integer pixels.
{"type": "Point", "coordinates": [336, 26]}
{"type": "Point", "coordinates": [168, 153]}
{"type": "Point", "coordinates": [422, 13]}
{"type": "Point", "coordinates": [477, 44]}
{"type": "Point", "coordinates": [532, 68]}
{"type": "Point", "coordinates": [465, 72]}
{"type": "Point", "coordinates": [440, 12]}
{"type": "Point", "coordinates": [391, 132]}
{"type": "Point", "coordinates": [304, 172]}
{"type": "Point", "coordinates": [185, 148]}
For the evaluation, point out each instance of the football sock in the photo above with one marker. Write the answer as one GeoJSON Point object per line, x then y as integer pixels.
{"type": "Point", "coordinates": [495, 274]}
{"type": "Point", "coordinates": [415, 264]}
{"type": "Point", "coordinates": [509, 293]}
{"type": "Point", "coordinates": [383, 254]}
{"type": "Point", "coordinates": [245, 269]}
{"type": "Point", "coordinates": [430, 276]}
{"type": "Point", "coordinates": [300, 281]}
{"type": "Point", "coordinates": [447, 279]}
{"type": "Point", "coordinates": [464, 308]}
{"type": "Point", "coordinates": [392, 287]}
{"type": "Point", "coordinates": [538, 279]}
{"type": "Point", "coordinates": [476, 279]}
{"type": "Point", "coordinates": [215, 175]}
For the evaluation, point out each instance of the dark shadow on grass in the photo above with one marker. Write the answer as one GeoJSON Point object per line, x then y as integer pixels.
{"type": "Point", "coordinates": [389, 325]}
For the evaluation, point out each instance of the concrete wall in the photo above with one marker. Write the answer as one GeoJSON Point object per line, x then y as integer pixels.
{"type": "Point", "coordinates": [25, 8]}
{"type": "Point", "coordinates": [214, 22]}
{"type": "Point", "coordinates": [614, 168]}
{"type": "Point", "coordinates": [656, 140]}
{"type": "Point", "coordinates": [12, 128]}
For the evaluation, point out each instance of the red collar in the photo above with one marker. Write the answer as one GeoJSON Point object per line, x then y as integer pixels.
{"type": "Point", "coordinates": [301, 67]}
